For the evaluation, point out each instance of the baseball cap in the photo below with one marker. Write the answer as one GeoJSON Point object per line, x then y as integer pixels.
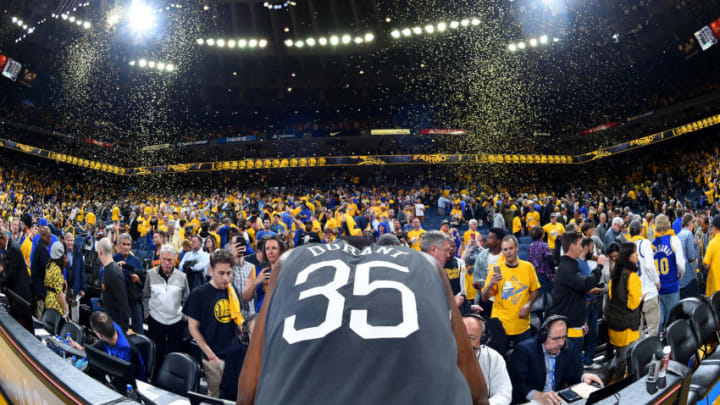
{"type": "Point", "coordinates": [42, 222]}
{"type": "Point", "coordinates": [445, 222]}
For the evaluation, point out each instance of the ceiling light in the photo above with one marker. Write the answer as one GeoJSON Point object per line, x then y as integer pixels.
{"type": "Point", "coordinates": [334, 40]}
{"type": "Point", "coordinates": [475, 21]}
{"type": "Point", "coordinates": [14, 19]}
{"type": "Point", "coordinates": [221, 43]}
{"type": "Point", "coordinates": [79, 23]}
{"type": "Point", "coordinates": [200, 41]}
{"type": "Point", "coordinates": [417, 30]}
{"type": "Point", "coordinates": [206, 8]}
{"type": "Point", "coordinates": [465, 22]}
{"type": "Point", "coordinates": [299, 44]}
{"type": "Point", "coordinates": [289, 43]}
{"type": "Point", "coordinates": [395, 34]}
{"type": "Point", "coordinates": [406, 32]}
{"type": "Point", "coordinates": [234, 73]}
{"type": "Point", "coordinates": [287, 29]}
{"type": "Point", "coordinates": [322, 41]}
{"type": "Point", "coordinates": [441, 27]}
{"type": "Point", "coordinates": [346, 39]}
{"type": "Point", "coordinates": [362, 72]}
{"type": "Point", "coordinates": [252, 43]}
{"type": "Point", "coordinates": [358, 40]}
{"type": "Point", "coordinates": [289, 89]}
{"type": "Point", "coordinates": [63, 16]}
{"type": "Point", "coordinates": [161, 66]}
{"type": "Point", "coordinates": [86, 25]}
{"type": "Point", "coordinates": [512, 47]}
{"type": "Point", "coordinates": [24, 26]}
{"type": "Point", "coordinates": [521, 45]}
{"type": "Point", "coordinates": [142, 63]}
{"type": "Point", "coordinates": [429, 29]}
{"type": "Point", "coordinates": [132, 63]}
{"type": "Point", "coordinates": [310, 41]}
{"type": "Point", "coordinates": [556, 39]}
{"type": "Point", "coordinates": [293, 74]}
{"type": "Point", "coordinates": [231, 43]}
{"type": "Point", "coordinates": [72, 18]}
{"type": "Point", "coordinates": [242, 43]}
{"type": "Point", "coordinates": [533, 42]}
{"type": "Point", "coordinates": [141, 17]}
{"type": "Point", "coordinates": [151, 64]}
{"type": "Point", "coordinates": [211, 42]}
{"type": "Point", "coordinates": [169, 67]}
{"type": "Point", "coordinates": [388, 19]}
{"type": "Point", "coordinates": [543, 39]}
{"type": "Point", "coordinates": [262, 43]}
{"type": "Point", "coordinates": [369, 37]}
{"type": "Point", "coordinates": [454, 24]}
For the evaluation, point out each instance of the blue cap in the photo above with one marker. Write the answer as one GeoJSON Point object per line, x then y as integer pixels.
{"type": "Point", "coordinates": [42, 222]}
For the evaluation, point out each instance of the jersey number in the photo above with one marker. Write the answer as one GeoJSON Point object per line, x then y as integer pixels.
{"type": "Point", "coordinates": [663, 266]}
{"type": "Point", "coordinates": [358, 317]}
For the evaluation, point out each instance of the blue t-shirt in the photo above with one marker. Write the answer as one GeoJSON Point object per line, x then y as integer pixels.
{"type": "Point", "coordinates": [122, 351]}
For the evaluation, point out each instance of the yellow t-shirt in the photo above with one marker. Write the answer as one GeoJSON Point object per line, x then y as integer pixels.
{"type": "Point", "coordinates": [26, 249]}
{"type": "Point", "coordinates": [468, 234]}
{"type": "Point", "coordinates": [553, 231]}
{"type": "Point", "coordinates": [712, 259]}
{"type": "Point", "coordinates": [511, 293]}
{"type": "Point", "coordinates": [621, 338]}
{"type": "Point", "coordinates": [414, 237]}
{"type": "Point", "coordinates": [516, 225]}
{"type": "Point", "coordinates": [532, 219]}
{"type": "Point", "coordinates": [115, 214]}
{"type": "Point", "coordinates": [470, 290]}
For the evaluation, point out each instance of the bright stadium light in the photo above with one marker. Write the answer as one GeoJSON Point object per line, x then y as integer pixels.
{"type": "Point", "coordinates": [299, 44]}
{"type": "Point", "coordinates": [475, 21]}
{"type": "Point", "coordinates": [512, 47]}
{"type": "Point", "coordinates": [465, 22]}
{"type": "Point", "coordinates": [322, 41]}
{"type": "Point", "coordinates": [211, 42]}
{"type": "Point", "coordinates": [417, 30]}
{"type": "Point", "coordinates": [334, 40]}
{"type": "Point", "coordinates": [169, 67]}
{"type": "Point", "coordinates": [221, 43]}
{"type": "Point", "coordinates": [369, 37]}
{"type": "Point", "coordinates": [72, 18]}
{"type": "Point", "coordinates": [14, 19]}
{"type": "Point", "coordinates": [151, 64]}
{"type": "Point", "coordinates": [262, 43]}
{"type": "Point", "coordinates": [310, 41]}
{"type": "Point", "coordinates": [441, 27]}
{"type": "Point", "coordinates": [132, 63]}
{"type": "Point", "coordinates": [252, 43]}
{"type": "Point", "coordinates": [160, 66]}
{"type": "Point", "coordinates": [533, 42]}
{"type": "Point", "coordinates": [231, 43]}
{"type": "Point", "coordinates": [429, 29]}
{"type": "Point", "coordinates": [395, 34]}
{"type": "Point", "coordinates": [242, 43]}
{"type": "Point", "coordinates": [200, 41]}
{"type": "Point", "coordinates": [454, 25]}
{"type": "Point", "coordinates": [406, 32]}
{"type": "Point", "coordinates": [289, 43]}
{"type": "Point", "coordinates": [142, 63]}
{"type": "Point", "coordinates": [543, 39]}
{"type": "Point", "coordinates": [521, 45]}
{"type": "Point", "coordinates": [358, 40]}
{"type": "Point", "coordinates": [86, 25]}
{"type": "Point", "coordinates": [140, 16]}
{"type": "Point", "coordinates": [346, 39]}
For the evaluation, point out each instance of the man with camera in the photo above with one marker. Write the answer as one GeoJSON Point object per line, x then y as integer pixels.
{"type": "Point", "coordinates": [134, 274]}
{"type": "Point", "coordinates": [195, 263]}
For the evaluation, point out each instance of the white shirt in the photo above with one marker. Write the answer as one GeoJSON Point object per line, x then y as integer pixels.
{"type": "Point", "coordinates": [419, 210]}
{"type": "Point", "coordinates": [202, 261]}
{"type": "Point", "coordinates": [676, 246]}
{"type": "Point", "coordinates": [648, 273]}
{"type": "Point", "coordinates": [496, 376]}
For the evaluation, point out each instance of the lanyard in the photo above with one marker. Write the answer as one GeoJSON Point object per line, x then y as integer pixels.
{"type": "Point", "coordinates": [552, 380]}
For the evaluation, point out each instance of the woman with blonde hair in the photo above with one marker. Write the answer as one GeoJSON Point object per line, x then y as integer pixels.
{"type": "Point", "coordinates": [670, 265]}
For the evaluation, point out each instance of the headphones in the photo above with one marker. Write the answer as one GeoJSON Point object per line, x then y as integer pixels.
{"type": "Point", "coordinates": [545, 328]}
{"type": "Point", "coordinates": [484, 338]}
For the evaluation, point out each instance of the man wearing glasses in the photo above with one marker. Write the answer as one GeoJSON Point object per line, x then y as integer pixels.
{"type": "Point", "coordinates": [541, 367]}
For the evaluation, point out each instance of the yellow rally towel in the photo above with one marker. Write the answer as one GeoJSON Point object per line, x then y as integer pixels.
{"type": "Point", "coordinates": [235, 313]}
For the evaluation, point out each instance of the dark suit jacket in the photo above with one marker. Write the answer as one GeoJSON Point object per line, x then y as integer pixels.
{"type": "Point", "coordinates": [39, 262]}
{"type": "Point", "coordinates": [527, 369]}
{"type": "Point", "coordinates": [15, 276]}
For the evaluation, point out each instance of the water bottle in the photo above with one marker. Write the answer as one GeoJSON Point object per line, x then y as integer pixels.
{"type": "Point", "coordinates": [129, 392]}
{"type": "Point", "coordinates": [68, 338]}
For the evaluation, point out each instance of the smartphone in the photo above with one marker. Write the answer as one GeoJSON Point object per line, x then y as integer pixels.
{"type": "Point", "coordinates": [600, 285]}
{"type": "Point", "coordinates": [569, 395]}
{"type": "Point", "coordinates": [264, 265]}
{"type": "Point", "coordinates": [496, 269]}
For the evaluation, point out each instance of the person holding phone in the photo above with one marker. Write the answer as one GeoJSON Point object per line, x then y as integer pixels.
{"type": "Point", "coordinates": [242, 271]}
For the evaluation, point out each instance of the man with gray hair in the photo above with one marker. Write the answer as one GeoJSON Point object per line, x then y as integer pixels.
{"type": "Point", "coordinates": [114, 292]}
{"type": "Point", "coordinates": [649, 280]}
{"type": "Point", "coordinates": [614, 234]}
{"type": "Point", "coordinates": [173, 237]}
{"type": "Point", "coordinates": [437, 245]}
{"type": "Point", "coordinates": [165, 291]}
{"type": "Point", "coordinates": [689, 286]}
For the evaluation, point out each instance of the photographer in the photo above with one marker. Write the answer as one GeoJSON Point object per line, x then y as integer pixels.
{"type": "Point", "coordinates": [134, 274]}
{"type": "Point", "coordinates": [195, 263]}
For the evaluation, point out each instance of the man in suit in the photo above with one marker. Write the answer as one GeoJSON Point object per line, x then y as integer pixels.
{"type": "Point", "coordinates": [542, 366]}
{"type": "Point", "coordinates": [14, 276]}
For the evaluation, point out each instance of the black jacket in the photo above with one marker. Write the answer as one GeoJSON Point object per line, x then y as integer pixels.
{"type": "Point", "coordinates": [569, 289]}
{"type": "Point", "coordinates": [39, 260]}
{"type": "Point", "coordinates": [15, 277]}
{"type": "Point", "coordinates": [527, 369]}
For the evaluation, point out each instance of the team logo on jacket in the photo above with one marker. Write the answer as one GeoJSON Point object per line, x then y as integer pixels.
{"type": "Point", "coordinates": [512, 290]}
